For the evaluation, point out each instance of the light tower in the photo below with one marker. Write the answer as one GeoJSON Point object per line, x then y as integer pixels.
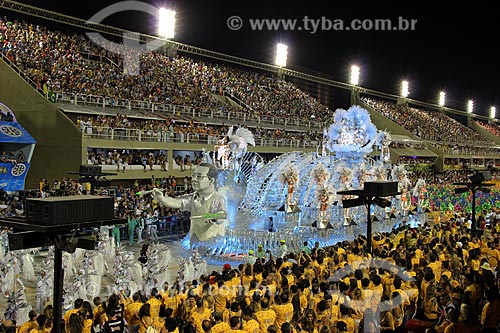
{"type": "Point", "coordinates": [405, 90]}
{"type": "Point", "coordinates": [354, 81]}
{"type": "Point", "coordinates": [280, 58]}
{"type": "Point", "coordinates": [470, 109]}
{"type": "Point", "coordinates": [166, 23]}
{"type": "Point", "coordinates": [470, 106]}
{"type": "Point", "coordinates": [442, 99]}
{"type": "Point", "coordinates": [166, 29]}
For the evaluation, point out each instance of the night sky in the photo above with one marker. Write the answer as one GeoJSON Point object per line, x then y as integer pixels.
{"type": "Point", "coordinates": [451, 48]}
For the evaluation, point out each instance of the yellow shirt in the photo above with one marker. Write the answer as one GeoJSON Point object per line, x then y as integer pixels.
{"type": "Point", "coordinates": [158, 324]}
{"type": "Point", "coordinates": [351, 325]}
{"type": "Point", "coordinates": [198, 318]}
{"type": "Point", "coordinates": [490, 314]}
{"type": "Point", "coordinates": [28, 326]}
{"type": "Point", "coordinates": [284, 313]}
{"type": "Point", "coordinates": [265, 318]}
{"type": "Point", "coordinates": [68, 313]}
{"type": "Point", "coordinates": [171, 302]}
{"type": "Point", "coordinates": [221, 327]}
{"type": "Point", "coordinates": [132, 312]}
{"type": "Point", "coordinates": [251, 326]}
{"type": "Point", "coordinates": [155, 306]}
{"type": "Point", "coordinates": [493, 257]}
{"type": "Point", "coordinates": [87, 326]}
{"type": "Point", "coordinates": [221, 299]}
{"type": "Point", "coordinates": [436, 269]}
{"type": "Point", "coordinates": [475, 264]}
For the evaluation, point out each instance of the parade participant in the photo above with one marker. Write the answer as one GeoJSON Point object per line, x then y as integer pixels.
{"type": "Point", "coordinates": [260, 254]}
{"type": "Point", "coordinates": [132, 223]}
{"type": "Point", "coordinates": [283, 249]}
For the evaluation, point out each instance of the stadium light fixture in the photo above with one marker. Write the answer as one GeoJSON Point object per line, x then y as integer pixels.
{"type": "Point", "coordinates": [493, 112]}
{"type": "Point", "coordinates": [354, 75]}
{"type": "Point", "coordinates": [281, 55]}
{"type": "Point", "coordinates": [166, 23]}
{"type": "Point", "coordinates": [442, 98]}
{"type": "Point", "coordinates": [405, 91]}
{"type": "Point", "coordinates": [470, 106]}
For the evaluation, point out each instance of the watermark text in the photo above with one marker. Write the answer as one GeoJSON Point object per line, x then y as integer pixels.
{"type": "Point", "coordinates": [314, 25]}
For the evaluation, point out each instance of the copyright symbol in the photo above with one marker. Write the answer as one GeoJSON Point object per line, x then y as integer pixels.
{"type": "Point", "coordinates": [234, 22]}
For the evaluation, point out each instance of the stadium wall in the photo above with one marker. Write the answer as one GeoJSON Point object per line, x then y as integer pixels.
{"type": "Point", "coordinates": [59, 141]}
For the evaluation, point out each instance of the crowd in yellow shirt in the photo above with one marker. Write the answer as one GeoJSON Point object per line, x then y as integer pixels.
{"type": "Point", "coordinates": [441, 274]}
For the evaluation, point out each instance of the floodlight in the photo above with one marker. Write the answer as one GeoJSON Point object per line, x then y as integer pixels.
{"type": "Point", "coordinates": [470, 106]}
{"type": "Point", "coordinates": [442, 97]}
{"type": "Point", "coordinates": [493, 112]}
{"type": "Point", "coordinates": [281, 54]}
{"type": "Point", "coordinates": [354, 75]}
{"type": "Point", "coordinates": [405, 91]}
{"type": "Point", "coordinates": [166, 23]}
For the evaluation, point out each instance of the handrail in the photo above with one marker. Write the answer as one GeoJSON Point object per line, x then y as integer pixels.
{"type": "Point", "coordinates": [188, 111]}
{"type": "Point", "coordinates": [227, 91]}
{"type": "Point", "coordinates": [132, 134]}
{"type": "Point", "coordinates": [478, 144]}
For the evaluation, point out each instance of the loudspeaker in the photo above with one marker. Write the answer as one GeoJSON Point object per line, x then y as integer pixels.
{"type": "Point", "coordinates": [86, 242]}
{"type": "Point", "coordinates": [69, 210]}
{"type": "Point", "coordinates": [480, 177]}
{"type": "Point", "coordinates": [381, 188]}
{"type": "Point", "coordinates": [27, 240]}
{"type": "Point", "coordinates": [90, 169]}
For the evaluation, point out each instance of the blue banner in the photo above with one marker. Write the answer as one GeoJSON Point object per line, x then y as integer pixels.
{"type": "Point", "coordinates": [12, 175]}
{"type": "Point", "coordinates": [12, 132]}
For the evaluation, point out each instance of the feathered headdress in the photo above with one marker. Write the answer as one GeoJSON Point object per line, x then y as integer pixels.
{"type": "Point", "coordinates": [320, 174]}
{"type": "Point", "coordinates": [239, 140]}
{"type": "Point", "coordinates": [289, 173]}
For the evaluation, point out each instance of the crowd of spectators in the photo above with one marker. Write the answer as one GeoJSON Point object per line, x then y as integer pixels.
{"type": "Point", "coordinates": [463, 149]}
{"type": "Point", "coordinates": [181, 131]}
{"type": "Point", "coordinates": [432, 126]}
{"type": "Point", "coordinates": [492, 127]}
{"type": "Point", "coordinates": [411, 161]}
{"type": "Point", "coordinates": [60, 62]}
{"type": "Point", "coordinates": [408, 144]}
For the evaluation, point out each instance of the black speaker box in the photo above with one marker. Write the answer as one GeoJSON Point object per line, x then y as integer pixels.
{"type": "Point", "coordinates": [381, 188]}
{"type": "Point", "coordinates": [69, 210]}
{"type": "Point", "coordinates": [90, 169]}
{"type": "Point", "coordinates": [27, 240]}
{"type": "Point", "coordinates": [480, 177]}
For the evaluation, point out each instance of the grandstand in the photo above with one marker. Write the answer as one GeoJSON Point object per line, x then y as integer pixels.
{"type": "Point", "coordinates": [75, 99]}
